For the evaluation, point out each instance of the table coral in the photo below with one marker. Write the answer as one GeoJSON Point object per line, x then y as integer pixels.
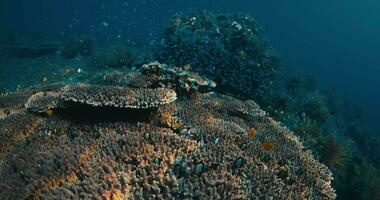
{"type": "Point", "coordinates": [97, 95]}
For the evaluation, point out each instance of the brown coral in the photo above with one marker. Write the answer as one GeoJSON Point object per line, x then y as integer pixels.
{"type": "Point", "coordinates": [43, 102]}
{"type": "Point", "coordinates": [196, 148]}
{"type": "Point", "coordinates": [97, 95]}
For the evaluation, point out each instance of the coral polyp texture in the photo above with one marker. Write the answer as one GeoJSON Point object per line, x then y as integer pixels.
{"type": "Point", "coordinates": [43, 102]}
{"type": "Point", "coordinates": [97, 95]}
{"type": "Point", "coordinates": [179, 78]}
{"type": "Point", "coordinates": [198, 146]}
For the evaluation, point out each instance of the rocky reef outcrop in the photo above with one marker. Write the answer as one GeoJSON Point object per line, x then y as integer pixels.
{"type": "Point", "coordinates": [230, 49]}
{"type": "Point", "coordinates": [192, 143]}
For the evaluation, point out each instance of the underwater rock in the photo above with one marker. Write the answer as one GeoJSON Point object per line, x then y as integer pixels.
{"type": "Point", "coordinates": [50, 156]}
{"type": "Point", "coordinates": [230, 49]}
{"type": "Point", "coordinates": [33, 50]}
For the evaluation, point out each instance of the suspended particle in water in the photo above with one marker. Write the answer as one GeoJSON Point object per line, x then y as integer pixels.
{"type": "Point", "coordinates": [105, 24]}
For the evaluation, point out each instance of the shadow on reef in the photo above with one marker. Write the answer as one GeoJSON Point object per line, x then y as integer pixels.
{"type": "Point", "coordinates": [87, 113]}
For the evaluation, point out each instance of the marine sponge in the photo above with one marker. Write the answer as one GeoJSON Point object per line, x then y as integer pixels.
{"type": "Point", "coordinates": [122, 97]}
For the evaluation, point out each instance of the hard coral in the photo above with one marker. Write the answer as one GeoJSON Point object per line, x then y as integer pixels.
{"type": "Point", "coordinates": [230, 49]}
{"type": "Point", "coordinates": [207, 156]}
{"type": "Point", "coordinates": [180, 78]}
{"type": "Point", "coordinates": [43, 102]}
{"type": "Point", "coordinates": [123, 97]}
{"type": "Point", "coordinates": [314, 105]}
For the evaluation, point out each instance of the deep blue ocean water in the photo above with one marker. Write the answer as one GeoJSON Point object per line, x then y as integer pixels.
{"type": "Point", "coordinates": [336, 42]}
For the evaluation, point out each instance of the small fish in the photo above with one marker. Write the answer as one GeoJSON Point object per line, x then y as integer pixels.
{"type": "Point", "coordinates": [251, 132]}
{"type": "Point", "coordinates": [105, 24]}
{"type": "Point", "coordinates": [268, 146]}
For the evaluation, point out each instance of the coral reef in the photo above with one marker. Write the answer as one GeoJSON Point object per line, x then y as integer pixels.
{"type": "Point", "coordinates": [230, 49]}
{"type": "Point", "coordinates": [121, 134]}
{"type": "Point", "coordinates": [314, 106]}
{"type": "Point", "coordinates": [179, 78]}
{"type": "Point", "coordinates": [96, 95]}
{"type": "Point", "coordinates": [196, 147]}
{"type": "Point", "coordinates": [335, 155]}
{"type": "Point", "coordinates": [43, 102]}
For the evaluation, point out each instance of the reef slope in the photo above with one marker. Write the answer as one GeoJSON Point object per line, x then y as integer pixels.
{"type": "Point", "coordinates": [160, 136]}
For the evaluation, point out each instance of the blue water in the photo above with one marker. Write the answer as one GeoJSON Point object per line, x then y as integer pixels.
{"type": "Point", "coordinates": [336, 42]}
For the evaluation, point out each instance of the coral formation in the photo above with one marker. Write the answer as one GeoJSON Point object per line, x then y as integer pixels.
{"type": "Point", "coordinates": [180, 78]}
{"type": "Point", "coordinates": [314, 105]}
{"type": "Point", "coordinates": [194, 148]}
{"type": "Point", "coordinates": [43, 102]}
{"type": "Point", "coordinates": [225, 138]}
{"type": "Point", "coordinates": [230, 49]}
{"type": "Point", "coordinates": [97, 95]}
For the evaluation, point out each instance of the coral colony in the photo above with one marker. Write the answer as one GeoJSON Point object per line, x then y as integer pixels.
{"type": "Point", "coordinates": [191, 146]}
